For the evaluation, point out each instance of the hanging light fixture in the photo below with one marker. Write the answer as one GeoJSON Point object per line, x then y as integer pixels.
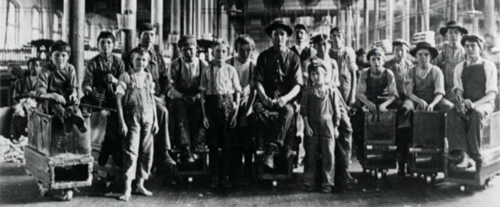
{"type": "Point", "coordinates": [233, 11]}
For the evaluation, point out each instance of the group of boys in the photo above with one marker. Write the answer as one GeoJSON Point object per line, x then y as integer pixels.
{"type": "Point", "coordinates": [228, 98]}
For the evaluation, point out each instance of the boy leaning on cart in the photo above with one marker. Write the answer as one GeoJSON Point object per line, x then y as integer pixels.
{"type": "Point", "coordinates": [58, 83]}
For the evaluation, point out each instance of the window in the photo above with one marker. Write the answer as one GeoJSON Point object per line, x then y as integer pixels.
{"type": "Point", "coordinates": [12, 24]}
{"type": "Point", "coordinates": [36, 24]}
{"type": "Point", "coordinates": [57, 26]}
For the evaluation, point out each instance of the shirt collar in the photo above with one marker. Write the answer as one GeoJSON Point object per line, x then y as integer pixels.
{"type": "Point", "coordinates": [479, 60]}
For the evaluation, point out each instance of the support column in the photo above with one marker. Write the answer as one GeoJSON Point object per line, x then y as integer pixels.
{"type": "Point", "coordinates": [389, 19]}
{"type": "Point", "coordinates": [129, 35]}
{"type": "Point", "coordinates": [376, 14]}
{"type": "Point", "coordinates": [76, 37]}
{"type": "Point", "coordinates": [157, 19]}
{"type": "Point", "coordinates": [65, 21]}
{"type": "Point", "coordinates": [348, 26]}
{"type": "Point", "coordinates": [367, 24]}
{"type": "Point", "coordinates": [356, 28]}
{"type": "Point", "coordinates": [175, 26]}
{"type": "Point", "coordinates": [426, 5]}
{"type": "Point", "coordinates": [405, 21]}
{"type": "Point", "coordinates": [453, 10]}
{"type": "Point", "coordinates": [489, 17]}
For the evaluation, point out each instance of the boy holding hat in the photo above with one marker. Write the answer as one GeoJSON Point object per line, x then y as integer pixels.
{"type": "Point", "coordinates": [157, 68]}
{"type": "Point", "coordinates": [452, 54]}
{"type": "Point", "coordinates": [301, 47]}
{"type": "Point", "coordinates": [320, 107]}
{"type": "Point", "coordinates": [475, 87]}
{"type": "Point", "coordinates": [278, 77]}
{"type": "Point", "coordinates": [185, 94]}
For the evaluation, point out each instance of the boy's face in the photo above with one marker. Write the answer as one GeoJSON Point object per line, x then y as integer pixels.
{"type": "Point", "coordinates": [317, 78]}
{"type": "Point", "coordinates": [220, 53]}
{"type": "Point", "coordinates": [60, 58]}
{"type": "Point", "coordinates": [244, 51]}
{"type": "Point", "coordinates": [377, 61]}
{"type": "Point", "coordinates": [279, 37]}
{"type": "Point", "coordinates": [188, 52]}
{"type": "Point", "coordinates": [337, 40]}
{"type": "Point", "coordinates": [148, 37]}
{"type": "Point", "coordinates": [300, 35]}
{"type": "Point", "coordinates": [423, 56]}
{"type": "Point", "coordinates": [322, 47]}
{"type": "Point", "coordinates": [400, 51]}
{"type": "Point", "coordinates": [106, 45]}
{"type": "Point", "coordinates": [453, 35]}
{"type": "Point", "coordinates": [35, 68]}
{"type": "Point", "coordinates": [472, 48]}
{"type": "Point", "coordinates": [140, 61]}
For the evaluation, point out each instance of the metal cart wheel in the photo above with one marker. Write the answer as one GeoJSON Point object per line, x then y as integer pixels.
{"type": "Point", "coordinates": [379, 174]}
{"type": "Point", "coordinates": [464, 188]}
{"type": "Point", "coordinates": [275, 183]}
{"type": "Point", "coordinates": [68, 194]}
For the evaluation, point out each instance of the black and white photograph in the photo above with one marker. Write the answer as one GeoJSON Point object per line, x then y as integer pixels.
{"type": "Point", "coordinates": [249, 103]}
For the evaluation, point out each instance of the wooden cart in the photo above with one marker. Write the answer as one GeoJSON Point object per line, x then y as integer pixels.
{"type": "Point", "coordinates": [426, 156]}
{"type": "Point", "coordinates": [483, 174]}
{"type": "Point", "coordinates": [379, 143]}
{"type": "Point", "coordinates": [57, 159]}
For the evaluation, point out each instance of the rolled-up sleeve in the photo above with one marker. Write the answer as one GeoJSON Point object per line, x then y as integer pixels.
{"type": "Point", "coordinates": [122, 84]}
{"type": "Point", "coordinates": [491, 77]}
{"type": "Point", "coordinates": [391, 86]}
{"type": "Point", "coordinates": [438, 78]}
{"type": "Point", "coordinates": [457, 78]}
{"type": "Point", "coordinates": [42, 82]}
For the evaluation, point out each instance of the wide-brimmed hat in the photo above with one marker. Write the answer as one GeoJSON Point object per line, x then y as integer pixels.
{"type": "Point", "coordinates": [145, 27]}
{"type": "Point", "coordinates": [279, 24]}
{"type": "Point", "coordinates": [424, 45]}
{"type": "Point", "coordinates": [452, 24]}
{"type": "Point", "coordinates": [300, 26]}
{"type": "Point", "coordinates": [473, 38]}
{"type": "Point", "coordinates": [319, 38]}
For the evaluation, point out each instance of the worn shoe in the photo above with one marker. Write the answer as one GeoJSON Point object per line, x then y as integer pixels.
{"type": "Point", "coordinates": [463, 163]}
{"type": "Point", "coordinates": [78, 120]}
{"type": "Point", "coordinates": [326, 189]}
{"type": "Point", "coordinates": [268, 159]}
{"type": "Point", "coordinates": [187, 155]}
{"type": "Point", "coordinates": [348, 178]}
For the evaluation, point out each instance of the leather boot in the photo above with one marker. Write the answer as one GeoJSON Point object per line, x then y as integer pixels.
{"type": "Point", "coordinates": [187, 155]}
{"type": "Point", "coordinates": [78, 119]}
{"type": "Point", "coordinates": [463, 163]}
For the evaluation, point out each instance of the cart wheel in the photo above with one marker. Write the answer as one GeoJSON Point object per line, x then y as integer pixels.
{"type": "Point", "coordinates": [415, 175]}
{"type": "Point", "coordinates": [275, 183]}
{"type": "Point", "coordinates": [463, 188]}
{"type": "Point", "coordinates": [379, 175]}
{"type": "Point", "coordinates": [428, 179]}
{"type": "Point", "coordinates": [374, 173]}
{"type": "Point", "coordinates": [42, 189]}
{"type": "Point", "coordinates": [190, 179]}
{"type": "Point", "coordinates": [68, 195]}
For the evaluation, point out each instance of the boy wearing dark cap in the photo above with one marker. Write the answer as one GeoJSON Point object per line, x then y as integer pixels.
{"type": "Point", "coordinates": [452, 54]}
{"type": "Point", "coordinates": [99, 85]}
{"type": "Point", "coordinates": [185, 94]}
{"type": "Point", "coordinates": [320, 107]}
{"type": "Point", "coordinates": [475, 88]}
{"type": "Point", "coordinates": [157, 68]}
{"type": "Point", "coordinates": [301, 46]}
{"type": "Point", "coordinates": [278, 76]}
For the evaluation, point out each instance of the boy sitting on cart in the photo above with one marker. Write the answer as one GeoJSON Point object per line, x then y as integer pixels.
{"type": "Point", "coordinates": [59, 84]}
{"type": "Point", "coordinates": [475, 88]}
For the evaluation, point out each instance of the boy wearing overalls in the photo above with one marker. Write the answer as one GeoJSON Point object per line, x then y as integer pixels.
{"type": "Point", "coordinates": [138, 122]}
{"type": "Point", "coordinates": [58, 82]}
{"type": "Point", "coordinates": [475, 89]}
{"type": "Point", "coordinates": [219, 84]}
{"type": "Point", "coordinates": [320, 107]}
{"type": "Point", "coordinates": [244, 132]}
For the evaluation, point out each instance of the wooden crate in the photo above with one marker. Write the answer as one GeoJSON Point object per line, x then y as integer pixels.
{"type": "Point", "coordinates": [198, 168]}
{"type": "Point", "coordinates": [64, 171]}
{"type": "Point", "coordinates": [490, 152]}
{"type": "Point", "coordinates": [47, 135]}
{"type": "Point", "coordinates": [283, 167]}
{"type": "Point", "coordinates": [427, 142]}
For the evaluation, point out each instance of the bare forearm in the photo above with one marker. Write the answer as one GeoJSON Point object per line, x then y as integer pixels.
{"type": "Point", "coordinates": [292, 94]}
{"type": "Point", "coordinates": [119, 107]}
{"type": "Point", "coordinates": [437, 99]}
{"type": "Point", "coordinates": [490, 96]}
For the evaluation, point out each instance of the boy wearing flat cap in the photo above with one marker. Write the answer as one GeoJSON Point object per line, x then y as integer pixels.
{"type": "Point", "coordinates": [424, 87]}
{"type": "Point", "coordinates": [278, 76]}
{"type": "Point", "coordinates": [452, 54]}
{"type": "Point", "coordinates": [159, 72]}
{"type": "Point", "coordinates": [320, 107]}
{"type": "Point", "coordinates": [185, 93]}
{"type": "Point", "coordinates": [475, 86]}
{"type": "Point", "coordinates": [301, 46]}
